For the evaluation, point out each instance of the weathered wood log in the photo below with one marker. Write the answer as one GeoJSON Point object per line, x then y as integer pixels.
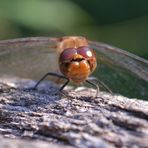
{"type": "Point", "coordinates": [77, 119]}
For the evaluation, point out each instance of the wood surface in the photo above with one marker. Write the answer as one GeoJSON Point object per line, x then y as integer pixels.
{"type": "Point", "coordinates": [45, 118]}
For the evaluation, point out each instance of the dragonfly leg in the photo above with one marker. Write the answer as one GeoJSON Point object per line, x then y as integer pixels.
{"type": "Point", "coordinates": [101, 83]}
{"type": "Point", "coordinates": [55, 75]}
{"type": "Point", "coordinates": [105, 86]}
{"type": "Point", "coordinates": [95, 85]}
{"type": "Point", "coordinates": [62, 87]}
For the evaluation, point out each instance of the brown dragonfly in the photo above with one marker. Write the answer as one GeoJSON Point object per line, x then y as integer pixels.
{"type": "Point", "coordinates": [75, 58]}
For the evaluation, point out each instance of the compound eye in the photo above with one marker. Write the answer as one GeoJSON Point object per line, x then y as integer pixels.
{"type": "Point", "coordinates": [86, 52]}
{"type": "Point", "coordinates": [67, 54]}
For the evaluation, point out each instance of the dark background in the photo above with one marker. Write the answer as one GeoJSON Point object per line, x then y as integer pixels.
{"type": "Point", "coordinates": [121, 23]}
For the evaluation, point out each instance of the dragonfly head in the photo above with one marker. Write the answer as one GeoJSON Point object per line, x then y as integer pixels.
{"type": "Point", "coordinates": [77, 63]}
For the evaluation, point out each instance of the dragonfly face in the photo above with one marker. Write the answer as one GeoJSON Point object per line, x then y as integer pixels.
{"type": "Point", "coordinates": [77, 61]}
{"type": "Point", "coordinates": [123, 72]}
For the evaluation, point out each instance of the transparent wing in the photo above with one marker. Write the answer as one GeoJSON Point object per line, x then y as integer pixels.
{"type": "Point", "coordinates": [122, 71]}
{"type": "Point", "coordinates": [28, 57]}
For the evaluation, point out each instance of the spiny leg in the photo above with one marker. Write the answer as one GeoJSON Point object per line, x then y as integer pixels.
{"type": "Point", "coordinates": [55, 75]}
{"type": "Point", "coordinates": [102, 83]}
{"type": "Point", "coordinates": [105, 86]}
{"type": "Point", "coordinates": [95, 85]}
{"type": "Point", "coordinates": [62, 87]}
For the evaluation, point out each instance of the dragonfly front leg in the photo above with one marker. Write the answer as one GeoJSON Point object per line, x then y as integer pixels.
{"type": "Point", "coordinates": [55, 75]}
{"type": "Point", "coordinates": [101, 83]}
{"type": "Point", "coordinates": [95, 85]}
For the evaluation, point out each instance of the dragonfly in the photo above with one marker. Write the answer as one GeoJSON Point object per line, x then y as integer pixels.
{"type": "Point", "coordinates": [74, 58]}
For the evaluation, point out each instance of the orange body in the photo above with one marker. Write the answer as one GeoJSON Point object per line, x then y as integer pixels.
{"type": "Point", "coordinates": [77, 61]}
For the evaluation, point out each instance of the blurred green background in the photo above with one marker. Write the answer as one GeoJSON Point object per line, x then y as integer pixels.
{"type": "Point", "coordinates": [121, 23]}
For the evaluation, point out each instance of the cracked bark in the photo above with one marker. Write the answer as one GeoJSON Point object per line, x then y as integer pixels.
{"type": "Point", "coordinates": [42, 118]}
